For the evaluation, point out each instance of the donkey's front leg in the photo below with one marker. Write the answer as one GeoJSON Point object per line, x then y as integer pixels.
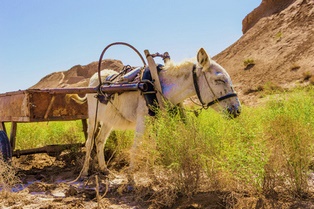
{"type": "Point", "coordinates": [88, 146]}
{"type": "Point", "coordinates": [138, 136]}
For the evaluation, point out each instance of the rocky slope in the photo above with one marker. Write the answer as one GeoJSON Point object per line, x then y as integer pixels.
{"type": "Point", "coordinates": [77, 76]}
{"type": "Point", "coordinates": [276, 49]}
{"type": "Point", "coordinates": [267, 8]}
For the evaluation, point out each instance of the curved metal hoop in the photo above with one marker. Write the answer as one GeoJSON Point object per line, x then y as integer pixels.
{"type": "Point", "coordinates": [112, 44]}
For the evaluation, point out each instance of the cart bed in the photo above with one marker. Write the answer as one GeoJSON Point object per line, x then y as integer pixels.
{"type": "Point", "coordinates": [35, 105]}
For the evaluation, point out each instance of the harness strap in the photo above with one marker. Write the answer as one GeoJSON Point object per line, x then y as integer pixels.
{"type": "Point", "coordinates": [227, 96]}
{"type": "Point", "coordinates": [198, 93]}
{"type": "Point", "coordinates": [197, 88]}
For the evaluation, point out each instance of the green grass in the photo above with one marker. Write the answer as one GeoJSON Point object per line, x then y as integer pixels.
{"type": "Point", "coordinates": [33, 135]}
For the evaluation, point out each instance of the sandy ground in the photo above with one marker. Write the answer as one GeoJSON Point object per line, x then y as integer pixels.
{"type": "Point", "coordinates": [45, 183]}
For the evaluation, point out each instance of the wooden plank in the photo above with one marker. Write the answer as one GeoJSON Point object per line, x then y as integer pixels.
{"type": "Point", "coordinates": [155, 77]}
{"type": "Point", "coordinates": [40, 105]}
{"type": "Point", "coordinates": [14, 105]}
{"type": "Point", "coordinates": [166, 57]}
{"type": "Point", "coordinates": [72, 90]}
{"type": "Point", "coordinates": [13, 134]}
{"type": "Point", "coordinates": [53, 150]}
{"type": "Point", "coordinates": [19, 119]}
{"type": "Point", "coordinates": [2, 127]}
{"type": "Point", "coordinates": [49, 107]}
{"type": "Point", "coordinates": [45, 106]}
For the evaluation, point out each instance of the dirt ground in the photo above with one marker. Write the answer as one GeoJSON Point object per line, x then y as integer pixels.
{"type": "Point", "coordinates": [46, 184]}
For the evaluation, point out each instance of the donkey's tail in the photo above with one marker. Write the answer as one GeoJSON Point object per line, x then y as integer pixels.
{"type": "Point", "coordinates": [76, 98]}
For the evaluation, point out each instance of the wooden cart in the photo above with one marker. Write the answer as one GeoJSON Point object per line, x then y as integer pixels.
{"type": "Point", "coordinates": [39, 105]}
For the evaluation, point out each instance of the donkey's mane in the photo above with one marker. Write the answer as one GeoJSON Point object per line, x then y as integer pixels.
{"type": "Point", "coordinates": [180, 68]}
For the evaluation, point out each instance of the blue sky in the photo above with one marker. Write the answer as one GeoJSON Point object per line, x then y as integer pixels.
{"type": "Point", "coordinates": [39, 37]}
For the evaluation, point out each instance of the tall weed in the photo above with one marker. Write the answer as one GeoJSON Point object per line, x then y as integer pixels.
{"type": "Point", "coordinates": [235, 150]}
{"type": "Point", "coordinates": [290, 136]}
{"type": "Point", "coordinates": [266, 150]}
{"type": "Point", "coordinates": [177, 148]}
{"type": "Point", "coordinates": [204, 153]}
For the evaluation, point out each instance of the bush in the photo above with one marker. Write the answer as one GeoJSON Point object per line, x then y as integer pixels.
{"type": "Point", "coordinates": [248, 62]}
{"type": "Point", "coordinates": [202, 154]}
{"type": "Point", "coordinates": [290, 136]}
{"type": "Point", "coordinates": [266, 150]}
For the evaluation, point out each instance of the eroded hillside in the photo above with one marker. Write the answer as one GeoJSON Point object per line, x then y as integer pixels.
{"type": "Point", "coordinates": [277, 47]}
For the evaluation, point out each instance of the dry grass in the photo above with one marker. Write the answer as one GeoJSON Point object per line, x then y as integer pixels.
{"type": "Point", "coordinates": [8, 178]}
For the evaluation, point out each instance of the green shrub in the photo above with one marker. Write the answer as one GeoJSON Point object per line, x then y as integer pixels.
{"type": "Point", "coordinates": [248, 62]}
{"type": "Point", "coordinates": [289, 132]}
{"type": "Point", "coordinates": [266, 149]}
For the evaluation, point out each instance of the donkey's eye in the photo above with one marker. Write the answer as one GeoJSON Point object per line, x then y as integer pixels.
{"type": "Point", "coordinates": [219, 81]}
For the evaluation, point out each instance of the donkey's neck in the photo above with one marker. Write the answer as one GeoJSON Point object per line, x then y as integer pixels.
{"type": "Point", "coordinates": [177, 82]}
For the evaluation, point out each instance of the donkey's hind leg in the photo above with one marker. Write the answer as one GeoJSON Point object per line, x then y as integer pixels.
{"type": "Point", "coordinates": [100, 144]}
{"type": "Point", "coordinates": [88, 146]}
{"type": "Point", "coordinates": [92, 131]}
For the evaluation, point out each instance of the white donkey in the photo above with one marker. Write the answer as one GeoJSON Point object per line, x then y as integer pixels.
{"type": "Point", "coordinates": [204, 78]}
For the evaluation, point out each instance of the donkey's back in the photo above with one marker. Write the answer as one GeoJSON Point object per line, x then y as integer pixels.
{"type": "Point", "coordinates": [120, 111]}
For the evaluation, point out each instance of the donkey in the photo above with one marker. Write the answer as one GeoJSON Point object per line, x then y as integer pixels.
{"type": "Point", "coordinates": [202, 77]}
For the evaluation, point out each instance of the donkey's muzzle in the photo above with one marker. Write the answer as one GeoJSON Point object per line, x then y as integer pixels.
{"type": "Point", "coordinates": [234, 111]}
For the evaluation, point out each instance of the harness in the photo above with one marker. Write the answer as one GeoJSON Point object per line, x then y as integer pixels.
{"type": "Point", "coordinates": [150, 95]}
{"type": "Point", "coordinates": [131, 77]}
{"type": "Point", "coordinates": [198, 93]}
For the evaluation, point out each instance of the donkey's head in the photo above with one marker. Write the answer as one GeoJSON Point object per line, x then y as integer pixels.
{"type": "Point", "coordinates": [213, 85]}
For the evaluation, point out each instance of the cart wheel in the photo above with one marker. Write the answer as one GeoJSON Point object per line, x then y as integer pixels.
{"type": "Point", "coordinates": [5, 147]}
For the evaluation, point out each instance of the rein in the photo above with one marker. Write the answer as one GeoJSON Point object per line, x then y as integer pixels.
{"type": "Point", "coordinates": [198, 93]}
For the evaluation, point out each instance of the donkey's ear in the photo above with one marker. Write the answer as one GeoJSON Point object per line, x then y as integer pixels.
{"type": "Point", "coordinates": [202, 57]}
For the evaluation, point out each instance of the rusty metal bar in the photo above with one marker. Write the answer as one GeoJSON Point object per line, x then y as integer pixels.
{"type": "Point", "coordinates": [119, 88]}
{"type": "Point", "coordinates": [73, 90]}
{"type": "Point", "coordinates": [105, 88]}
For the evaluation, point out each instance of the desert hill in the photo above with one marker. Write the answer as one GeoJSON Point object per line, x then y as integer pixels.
{"type": "Point", "coordinates": [277, 49]}
{"type": "Point", "coordinates": [77, 76]}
